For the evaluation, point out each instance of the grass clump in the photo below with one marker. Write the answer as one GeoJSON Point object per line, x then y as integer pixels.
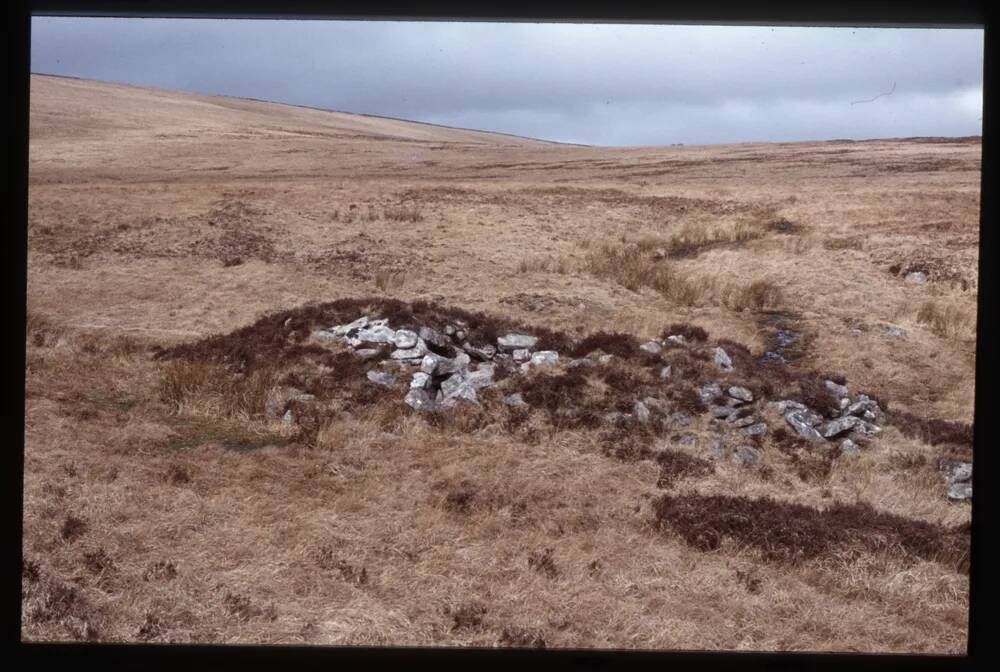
{"type": "Point", "coordinates": [213, 389]}
{"type": "Point", "coordinates": [403, 213]}
{"type": "Point", "coordinates": [948, 320]}
{"type": "Point", "coordinates": [631, 266]}
{"type": "Point", "coordinates": [695, 238]}
{"type": "Point", "coordinates": [388, 280]}
{"type": "Point", "coordinates": [759, 295]}
{"type": "Point", "coordinates": [543, 265]}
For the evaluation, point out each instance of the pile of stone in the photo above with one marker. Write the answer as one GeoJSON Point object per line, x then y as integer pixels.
{"type": "Point", "coordinates": [445, 368]}
{"type": "Point", "coordinates": [439, 381]}
{"type": "Point", "coordinates": [857, 419]}
{"type": "Point", "coordinates": [732, 405]}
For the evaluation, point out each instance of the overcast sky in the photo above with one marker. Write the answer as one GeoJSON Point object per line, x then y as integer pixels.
{"type": "Point", "coordinates": [593, 84]}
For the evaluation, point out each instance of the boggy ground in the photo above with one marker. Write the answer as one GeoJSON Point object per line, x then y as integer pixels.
{"type": "Point", "coordinates": [162, 505]}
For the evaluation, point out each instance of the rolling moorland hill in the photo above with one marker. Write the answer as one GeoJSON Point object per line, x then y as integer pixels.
{"type": "Point", "coordinates": [189, 254]}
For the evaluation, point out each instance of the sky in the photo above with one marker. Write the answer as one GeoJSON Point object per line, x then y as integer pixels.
{"type": "Point", "coordinates": [595, 84]}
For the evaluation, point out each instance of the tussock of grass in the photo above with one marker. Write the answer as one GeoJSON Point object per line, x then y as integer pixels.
{"type": "Point", "coordinates": [799, 245]}
{"type": "Point", "coordinates": [389, 280]}
{"type": "Point", "coordinates": [399, 213]}
{"type": "Point", "coordinates": [632, 267]}
{"type": "Point", "coordinates": [784, 225]}
{"type": "Point", "coordinates": [844, 243]}
{"type": "Point", "coordinates": [404, 214]}
{"type": "Point", "coordinates": [695, 237]}
{"type": "Point", "coordinates": [213, 389]}
{"type": "Point", "coordinates": [40, 330]}
{"type": "Point", "coordinates": [760, 295]}
{"type": "Point", "coordinates": [544, 265]}
{"type": "Point", "coordinates": [948, 320]}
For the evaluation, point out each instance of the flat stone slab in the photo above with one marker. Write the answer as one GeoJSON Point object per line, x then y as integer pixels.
{"type": "Point", "coordinates": [961, 472]}
{"type": "Point", "coordinates": [420, 400]}
{"type": "Point", "coordinates": [801, 426]}
{"type": "Point", "coordinates": [512, 342]}
{"type": "Point", "coordinates": [405, 339]}
{"type": "Point", "coordinates": [544, 358]}
{"type": "Point", "coordinates": [839, 426]}
{"type": "Point", "coordinates": [721, 357]}
{"type": "Point", "coordinates": [420, 381]}
{"type": "Point", "coordinates": [839, 390]}
{"type": "Point", "coordinates": [848, 447]}
{"type": "Point", "coordinates": [723, 412]}
{"type": "Point", "coordinates": [380, 378]}
{"type": "Point", "coordinates": [784, 405]}
{"type": "Point", "coordinates": [345, 329]}
{"type": "Point", "coordinates": [379, 334]}
{"type": "Point", "coordinates": [416, 352]}
{"type": "Point", "coordinates": [458, 386]}
{"type": "Point", "coordinates": [514, 400]}
{"type": "Point", "coordinates": [434, 337]}
{"type": "Point", "coordinates": [481, 377]}
{"type": "Point", "coordinates": [862, 406]}
{"type": "Point", "coordinates": [709, 393]}
{"type": "Point", "coordinates": [741, 393]}
{"type": "Point", "coordinates": [652, 347]}
{"type": "Point", "coordinates": [960, 491]}
{"type": "Point", "coordinates": [484, 353]}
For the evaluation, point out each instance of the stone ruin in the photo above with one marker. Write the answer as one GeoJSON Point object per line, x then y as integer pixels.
{"type": "Point", "coordinates": [445, 369]}
{"type": "Point", "coordinates": [437, 381]}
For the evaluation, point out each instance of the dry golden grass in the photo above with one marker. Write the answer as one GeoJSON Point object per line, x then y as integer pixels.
{"type": "Point", "coordinates": [410, 214]}
{"type": "Point", "coordinates": [187, 385]}
{"type": "Point", "coordinates": [948, 320]}
{"type": "Point", "coordinates": [161, 506]}
{"type": "Point", "coordinates": [634, 267]}
{"type": "Point", "coordinates": [388, 280]}
{"type": "Point", "coordinates": [644, 265]}
{"type": "Point", "coordinates": [544, 265]}
{"type": "Point", "coordinates": [695, 236]}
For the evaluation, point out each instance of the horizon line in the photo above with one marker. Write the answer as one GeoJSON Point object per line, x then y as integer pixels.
{"type": "Point", "coordinates": [479, 130]}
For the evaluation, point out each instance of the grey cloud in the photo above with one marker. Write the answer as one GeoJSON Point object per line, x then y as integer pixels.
{"type": "Point", "coordinates": [597, 84]}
